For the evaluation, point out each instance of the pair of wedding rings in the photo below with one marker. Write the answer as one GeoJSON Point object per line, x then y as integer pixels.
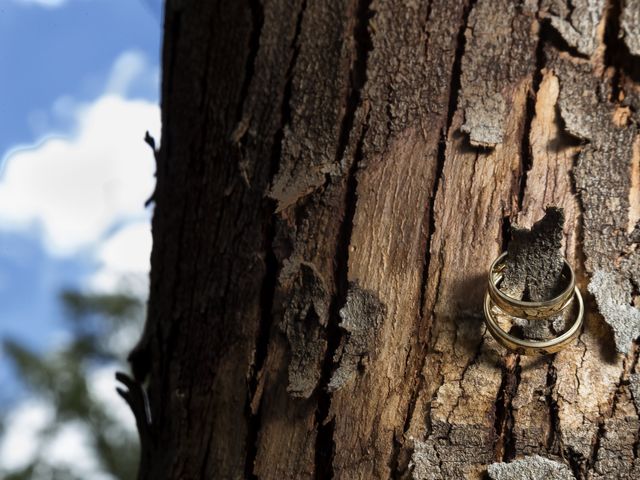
{"type": "Point", "coordinates": [537, 311]}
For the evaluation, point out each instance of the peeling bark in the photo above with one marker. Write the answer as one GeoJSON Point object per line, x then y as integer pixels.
{"type": "Point", "coordinates": [530, 468]}
{"type": "Point", "coordinates": [490, 39]}
{"type": "Point", "coordinates": [603, 181]}
{"type": "Point", "coordinates": [630, 21]}
{"type": "Point", "coordinates": [576, 21]}
{"type": "Point", "coordinates": [304, 321]}
{"type": "Point", "coordinates": [534, 263]}
{"type": "Point", "coordinates": [613, 295]}
{"type": "Point", "coordinates": [361, 318]}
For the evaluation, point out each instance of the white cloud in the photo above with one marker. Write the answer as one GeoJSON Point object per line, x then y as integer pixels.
{"type": "Point", "coordinates": [25, 438]}
{"type": "Point", "coordinates": [124, 254]}
{"type": "Point", "coordinates": [21, 439]}
{"type": "Point", "coordinates": [75, 189]}
{"type": "Point", "coordinates": [71, 447]}
{"type": "Point", "coordinates": [43, 3]}
{"type": "Point", "coordinates": [132, 69]}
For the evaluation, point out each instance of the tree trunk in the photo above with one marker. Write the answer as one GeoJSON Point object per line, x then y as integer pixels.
{"type": "Point", "coordinates": [334, 179]}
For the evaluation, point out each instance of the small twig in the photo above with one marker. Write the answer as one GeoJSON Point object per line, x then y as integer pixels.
{"type": "Point", "coordinates": [149, 140]}
{"type": "Point", "coordinates": [136, 397]}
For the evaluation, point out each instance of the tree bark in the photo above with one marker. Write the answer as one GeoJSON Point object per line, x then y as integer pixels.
{"type": "Point", "coordinates": [334, 179]}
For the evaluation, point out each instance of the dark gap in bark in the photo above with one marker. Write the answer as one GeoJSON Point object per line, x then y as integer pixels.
{"type": "Point", "coordinates": [358, 73]}
{"type": "Point", "coordinates": [550, 35]}
{"type": "Point", "coordinates": [635, 291]}
{"type": "Point", "coordinates": [635, 401]}
{"type": "Point", "coordinates": [526, 160]}
{"type": "Point", "coordinates": [580, 255]}
{"type": "Point", "coordinates": [398, 469]}
{"type": "Point", "coordinates": [427, 17]}
{"type": "Point", "coordinates": [613, 45]}
{"type": "Point", "coordinates": [510, 441]}
{"type": "Point", "coordinates": [325, 445]}
{"type": "Point", "coordinates": [636, 442]}
{"type": "Point", "coordinates": [526, 157]}
{"type": "Point", "coordinates": [456, 74]}
{"type": "Point", "coordinates": [271, 263]}
{"type": "Point", "coordinates": [506, 232]}
{"type": "Point", "coordinates": [617, 54]}
{"type": "Point", "coordinates": [262, 342]}
{"type": "Point", "coordinates": [605, 415]}
{"type": "Point", "coordinates": [440, 159]}
{"type": "Point", "coordinates": [635, 356]}
{"type": "Point", "coordinates": [552, 405]}
{"type": "Point", "coordinates": [504, 445]}
{"type": "Point", "coordinates": [456, 70]}
{"type": "Point", "coordinates": [596, 444]}
{"type": "Point", "coordinates": [257, 22]}
{"type": "Point", "coordinates": [428, 423]}
{"type": "Point", "coordinates": [576, 463]}
{"type": "Point", "coordinates": [286, 98]}
{"type": "Point", "coordinates": [397, 465]}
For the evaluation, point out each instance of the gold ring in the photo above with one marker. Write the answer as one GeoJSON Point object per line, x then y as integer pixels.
{"type": "Point", "coordinates": [533, 347]}
{"type": "Point", "coordinates": [528, 310]}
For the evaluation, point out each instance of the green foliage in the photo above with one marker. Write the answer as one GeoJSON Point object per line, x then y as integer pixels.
{"type": "Point", "coordinates": [99, 324]}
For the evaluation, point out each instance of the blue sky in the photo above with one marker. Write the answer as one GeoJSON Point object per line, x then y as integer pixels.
{"type": "Point", "coordinates": [79, 89]}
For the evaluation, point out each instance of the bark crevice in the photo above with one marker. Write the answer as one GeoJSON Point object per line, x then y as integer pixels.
{"type": "Point", "coordinates": [526, 156]}
{"type": "Point", "coordinates": [257, 22]}
{"type": "Point", "coordinates": [504, 445]}
{"type": "Point", "coordinates": [262, 342]}
{"type": "Point", "coordinates": [325, 445]}
{"type": "Point", "coordinates": [272, 266]}
{"type": "Point", "coordinates": [358, 74]}
{"type": "Point", "coordinates": [454, 92]}
{"type": "Point", "coordinates": [617, 53]}
{"type": "Point", "coordinates": [398, 468]}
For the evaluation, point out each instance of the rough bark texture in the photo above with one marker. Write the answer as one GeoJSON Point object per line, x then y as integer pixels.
{"type": "Point", "coordinates": [333, 181]}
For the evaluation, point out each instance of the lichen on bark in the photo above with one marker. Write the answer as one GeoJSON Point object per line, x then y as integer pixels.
{"type": "Point", "coordinates": [613, 295]}
{"type": "Point", "coordinates": [361, 317]}
{"type": "Point", "coordinates": [534, 263]}
{"type": "Point", "coordinates": [534, 269]}
{"type": "Point", "coordinates": [534, 467]}
{"type": "Point", "coordinates": [304, 320]}
{"type": "Point", "coordinates": [576, 21]}
{"type": "Point", "coordinates": [630, 23]}
{"type": "Point", "coordinates": [603, 182]}
{"type": "Point", "coordinates": [490, 39]}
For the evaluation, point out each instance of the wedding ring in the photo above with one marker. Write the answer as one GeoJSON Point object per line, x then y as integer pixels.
{"type": "Point", "coordinates": [528, 310]}
{"type": "Point", "coordinates": [533, 347]}
{"type": "Point", "coordinates": [525, 309]}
